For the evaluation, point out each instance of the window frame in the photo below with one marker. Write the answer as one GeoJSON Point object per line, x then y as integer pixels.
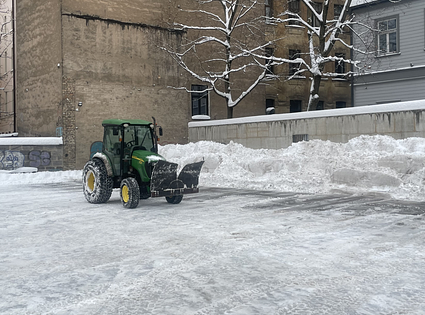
{"type": "Point", "coordinates": [293, 103]}
{"type": "Point", "coordinates": [341, 6]}
{"type": "Point", "coordinates": [340, 103]}
{"type": "Point", "coordinates": [318, 7]}
{"type": "Point", "coordinates": [340, 68]}
{"type": "Point", "coordinates": [200, 95]}
{"type": "Point", "coordinates": [269, 52]}
{"type": "Point", "coordinates": [268, 10]}
{"type": "Point", "coordinates": [294, 8]}
{"type": "Point", "coordinates": [387, 32]}
{"type": "Point", "coordinates": [294, 67]}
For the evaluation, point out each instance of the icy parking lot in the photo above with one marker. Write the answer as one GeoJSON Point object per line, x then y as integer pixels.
{"type": "Point", "coordinates": [221, 251]}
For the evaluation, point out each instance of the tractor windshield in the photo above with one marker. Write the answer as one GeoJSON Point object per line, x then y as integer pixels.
{"type": "Point", "coordinates": [138, 138]}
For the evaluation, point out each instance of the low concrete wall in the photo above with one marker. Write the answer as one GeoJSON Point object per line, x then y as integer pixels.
{"type": "Point", "coordinates": [398, 120]}
{"type": "Point", "coordinates": [45, 154]}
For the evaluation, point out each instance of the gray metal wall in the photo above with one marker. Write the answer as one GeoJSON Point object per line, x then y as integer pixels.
{"type": "Point", "coordinates": [394, 77]}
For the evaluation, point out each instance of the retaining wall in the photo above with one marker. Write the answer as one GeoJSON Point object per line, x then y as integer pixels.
{"type": "Point", "coordinates": [398, 120]}
{"type": "Point", "coordinates": [45, 154]}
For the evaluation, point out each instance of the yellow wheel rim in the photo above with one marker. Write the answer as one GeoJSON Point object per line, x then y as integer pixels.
{"type": "Point", "coordinates": [90, 181]}
{"type": "Point", "coordinates": [124, 193]}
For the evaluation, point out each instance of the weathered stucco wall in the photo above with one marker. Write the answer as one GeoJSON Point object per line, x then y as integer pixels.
{"type": "Point", "coordinates": [337, 125]}
{"type": "Point", "coordinates": [39, 67]}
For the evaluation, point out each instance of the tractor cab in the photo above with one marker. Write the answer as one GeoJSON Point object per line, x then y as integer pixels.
{"type": "Point", "coordinates": [125, 140]}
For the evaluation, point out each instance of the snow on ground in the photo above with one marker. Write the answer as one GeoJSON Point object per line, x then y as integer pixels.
{"type": "Point", "coordinates": [364, 164]}
{"type": "Point", "coordinates": [226, 251]}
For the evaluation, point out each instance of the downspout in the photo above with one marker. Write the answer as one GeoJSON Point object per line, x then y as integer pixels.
{"type": "Point", "coordinates": [351, 65]}
{"type": "Point", "coordinates": [15, 94]}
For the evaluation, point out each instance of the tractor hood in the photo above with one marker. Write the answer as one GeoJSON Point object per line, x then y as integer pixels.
{"type": "Point", "coordinates": [143, 156]}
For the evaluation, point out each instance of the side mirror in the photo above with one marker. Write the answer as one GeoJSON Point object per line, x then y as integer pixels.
{"type": "Point", "coordinates": [160, 131]}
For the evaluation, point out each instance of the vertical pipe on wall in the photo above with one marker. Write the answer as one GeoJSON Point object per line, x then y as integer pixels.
{"type": "Point", "coordinates": [15, 124]}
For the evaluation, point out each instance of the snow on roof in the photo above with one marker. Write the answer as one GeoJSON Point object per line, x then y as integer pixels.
{"type": "Point", "coordinates": [355, 3]}
{"type": "Point", "coordinates": [31, 141]}
{"type": "Point", "coordinates": [384, 108]}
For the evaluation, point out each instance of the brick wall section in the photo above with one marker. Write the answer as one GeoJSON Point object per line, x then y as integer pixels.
{"type": "Point", "coordinates": [43, 157]}
{"type": "Point", "coordinates": [69, 126]}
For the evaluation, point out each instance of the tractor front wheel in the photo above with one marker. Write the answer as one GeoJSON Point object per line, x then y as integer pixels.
{"type": "Point", "coordinates": [130, 193]}
{"type": "Point", "coordinates": [97, 185]}
{"type": "Point", "coordinates": [174, 199]}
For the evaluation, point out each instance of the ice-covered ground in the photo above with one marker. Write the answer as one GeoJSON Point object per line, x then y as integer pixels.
{"type": "Point", "coordinates": [226, 251]}
{"type": "Point", "coordinates": [364, 164]}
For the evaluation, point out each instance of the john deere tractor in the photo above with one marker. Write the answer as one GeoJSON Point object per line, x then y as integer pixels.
{"type": "Point", "coordinates": [130, 161]}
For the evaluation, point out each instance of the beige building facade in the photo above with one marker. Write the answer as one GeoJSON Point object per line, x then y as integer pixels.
{"type": "Point", "coordinates": [82, 61]}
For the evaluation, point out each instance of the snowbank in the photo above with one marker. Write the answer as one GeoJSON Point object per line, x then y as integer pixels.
{"type": "Point", "coordinates": [363, 165]}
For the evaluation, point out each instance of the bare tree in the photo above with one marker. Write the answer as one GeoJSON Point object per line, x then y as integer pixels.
{"type": "Point", "coordinates": [324, 31]}
{"type": "Point", "coordinates": [227, 50]}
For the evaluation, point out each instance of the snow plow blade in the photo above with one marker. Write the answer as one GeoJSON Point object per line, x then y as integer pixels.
{"type": "Point", "coordinates": [165, 182]}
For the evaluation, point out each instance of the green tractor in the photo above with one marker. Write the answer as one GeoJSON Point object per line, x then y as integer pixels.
{"type": "Point", "coordinates": [130, 161]}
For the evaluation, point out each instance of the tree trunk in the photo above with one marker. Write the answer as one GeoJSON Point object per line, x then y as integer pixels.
{"type": "Point", "coordinates": [229, 112]}
{"type": "Point", "coordinates": [314, 92]}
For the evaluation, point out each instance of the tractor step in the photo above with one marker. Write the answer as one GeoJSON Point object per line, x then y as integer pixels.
{"type": "Point", "coordinates": [165, 182]}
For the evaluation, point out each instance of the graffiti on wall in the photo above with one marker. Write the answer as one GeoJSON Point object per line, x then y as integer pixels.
{"type": "Point", "coordinates": [39, 158]}
{"type": "Point", "coordinates": [10, 160]}
{"type": "Point", "coordinates": [95, 147]}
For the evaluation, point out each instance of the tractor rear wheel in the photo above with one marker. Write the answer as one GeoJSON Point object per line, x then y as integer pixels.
{"type": "Point", "coordinates": [97, 185]}
{"type": "Point", "coordinates": [174, 199]}
{"type": "Point", "coordinates": [130, 193]}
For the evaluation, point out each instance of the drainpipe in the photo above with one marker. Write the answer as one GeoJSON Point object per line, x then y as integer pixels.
{"type": "Point", "coordinates": [15, 124]}
{"type": "Point", "coordinates": [352, 66]}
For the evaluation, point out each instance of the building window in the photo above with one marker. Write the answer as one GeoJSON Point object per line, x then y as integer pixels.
{"type": "Point", "coordinates": [269, 52]}
{"type": "Point", "coordinates": [294, 7]}
{"type": "Point", "coordinates": [294, 67]}
{"type": "Point", "coordinates": [295, 106]}
{"type": "Point", "coordinates": [387, 36]}
{"type": "Point", "coordinates": [337, 10]}
{"type": "Point", "coordinates": [320, 105]}
{"type": "Point", "coordinates": [199, 100]}
{"type": "Point", "coordinates": [339, 64]}
{"type": "Point", "coordinates": [269, 10]}
{"type": "Point", "coordinates": [317, 6]}
{"type": "Point", "coordinates": [341, 105]}
{"type": "Point", "coordinates": [270, 106]}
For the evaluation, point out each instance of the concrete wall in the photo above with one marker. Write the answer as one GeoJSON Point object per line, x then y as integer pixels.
{"type": "Point", "coordinates": [399, 121]}
{"type": "Point", "coordinates": [39, 67]}
{"type": "Point", "coordinates": [25, 152]}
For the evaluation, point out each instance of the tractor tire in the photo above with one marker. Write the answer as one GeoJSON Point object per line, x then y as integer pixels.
{"type": "Point", "coordinates": [174, 199]}
{"type": "Point", "coordinates": [130, 193]}
{"type": "Point", "coordinates": [97, 185]}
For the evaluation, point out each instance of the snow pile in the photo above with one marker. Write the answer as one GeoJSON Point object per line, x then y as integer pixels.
{"type": "Point", "coordinates": [13, 178]}
{"type": "Point", "coordinates": [363, 165]}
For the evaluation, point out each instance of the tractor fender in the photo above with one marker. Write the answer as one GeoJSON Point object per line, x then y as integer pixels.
{"type": "Point", "coordinates": [105, 160]}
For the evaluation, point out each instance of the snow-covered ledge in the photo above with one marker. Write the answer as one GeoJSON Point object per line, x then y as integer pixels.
{"type": "Point", "coordinates": [372, 109]}
{"type": "Point", "coordinates": [31, 141]}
